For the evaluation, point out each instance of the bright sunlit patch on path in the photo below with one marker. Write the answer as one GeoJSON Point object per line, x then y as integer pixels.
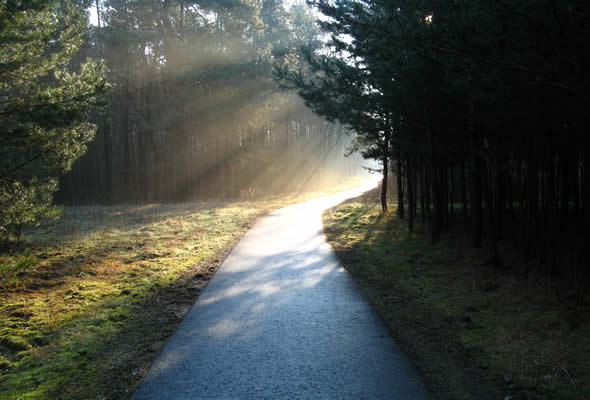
{"type": "Point", "coordinates": [282, 319]}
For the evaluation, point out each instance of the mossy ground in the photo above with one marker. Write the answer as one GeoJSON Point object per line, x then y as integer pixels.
{"type": "Point", "coordinates": [86, 304]}
{"type": "Point", "coordinates": [474, 331]}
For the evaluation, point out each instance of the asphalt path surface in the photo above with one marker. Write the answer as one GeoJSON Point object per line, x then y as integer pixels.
{"type": "Point", "coordinates": [281, 319]}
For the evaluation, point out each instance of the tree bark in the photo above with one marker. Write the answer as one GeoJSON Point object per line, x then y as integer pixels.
{"type": "Point", "coordinates": [385, 160]}
{"type": "Point", "coordinates": [400, 187]}
{"type": "Point", "coordinates": [409, 172]}
{"type": "Point", "coordinates": [476, 199]}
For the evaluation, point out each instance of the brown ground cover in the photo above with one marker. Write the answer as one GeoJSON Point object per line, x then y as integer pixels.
{"type": "Point", "coordinates": [474, 331]}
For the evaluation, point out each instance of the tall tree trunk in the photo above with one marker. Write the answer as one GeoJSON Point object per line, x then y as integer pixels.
{"type": "Point", "coordinates": [532, 202]}
{"type": "Point", "coordinates": [550, 216]}
{"type": "Point", "coordinates": [476, 199]}
{"type": "Point", "coordinates": [464, 191]}
{"type": "Point", "coordinates": [564, 164]}
{"type": "Point", "coordinates": [428, 193]}
{"type": "Point", "coordinates": [411, 209]}
{"type": "Point", "coordinates": [422, 199]}
{"type": "Point", "coordinates": [385, 160]}
{"type": "Point", "coordinates": [493, 210]}
{"type": "Point", "coordinates": [451, 191]}
{"type": "Point", "coordinates": [436, 221]}
{"type": "Point", "coordinates": [400, 187]}
{"type": "Point", "coordinates": [586, 234]}
{"type": "Point", "coordinates": [444, 199]}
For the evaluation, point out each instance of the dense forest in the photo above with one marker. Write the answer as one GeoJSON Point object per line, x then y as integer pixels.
{"type": "Point", "coordinates": [478, 107]}
{"type": "Point", "coordinates": [194, 111]}
{"type": "Point", "coordinates": [110, 102]}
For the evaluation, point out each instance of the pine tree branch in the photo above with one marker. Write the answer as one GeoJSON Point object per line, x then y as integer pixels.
{"type": "Point", "coordinates": [21, 165]}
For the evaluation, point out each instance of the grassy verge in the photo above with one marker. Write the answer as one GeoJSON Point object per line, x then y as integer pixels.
{"type": "Point", "coordinates": [87, 304]}
{"type": "Point", "coordinates": [474, 332]}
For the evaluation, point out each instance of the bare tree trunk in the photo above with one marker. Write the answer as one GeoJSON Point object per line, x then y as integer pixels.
{"type": "Point", "coordinates": [476, 199]}
{"type": "Point", "coordinates": [436, 221]}
{"type": "Point", "coordinates": [451, 191]}
{"type": "Point", "coordinates": [411, 210]}
{"type": "Point", "coordinates": [97, 14]}
{"type": "Point", "coordinates": [385, 159]}
{"type": "Point", "coordinates": [422, 196]}
{"type": "Point", "coordinates": [464, 191]}
{"type": "Point", "coordinates": [400, 187]}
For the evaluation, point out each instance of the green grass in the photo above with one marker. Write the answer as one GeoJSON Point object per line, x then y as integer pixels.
{"type": "Point", "coordinates": [462, 321]}
{"type": "Point", "coordinates": [65, 300]}
{"type": "Point", "coordinates": [86, 304]}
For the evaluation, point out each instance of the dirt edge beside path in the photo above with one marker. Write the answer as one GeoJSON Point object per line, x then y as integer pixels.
{"type": "Point", "coordinates": [472, 332]}
{"type": "Point", "coordinates": [162, 314]}
{"type": "Point", "coordinates": [448, 368]}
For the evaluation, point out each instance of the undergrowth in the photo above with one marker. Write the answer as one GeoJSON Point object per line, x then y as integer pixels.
{"type": "Point", "coordinates": [508, 329]}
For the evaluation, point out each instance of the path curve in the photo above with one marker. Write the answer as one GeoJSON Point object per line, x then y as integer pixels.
{"type": "Point", "coordinates": [281, 319]}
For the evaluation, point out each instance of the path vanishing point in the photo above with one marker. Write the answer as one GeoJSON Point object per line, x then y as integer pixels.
{"type": "Point", "coordinates": [281, 319]}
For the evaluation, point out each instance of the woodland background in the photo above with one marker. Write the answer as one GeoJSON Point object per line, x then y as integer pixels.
{"type": "Point", "coordinates": [194, 112]}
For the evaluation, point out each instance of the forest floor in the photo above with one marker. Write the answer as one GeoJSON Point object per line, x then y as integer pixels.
{"type": "Point", "coordinates": [87, 303]}
{"type": "Point", "coordinates": [474, 332]}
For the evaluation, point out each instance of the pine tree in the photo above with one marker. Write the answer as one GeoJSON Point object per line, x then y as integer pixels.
{"type": "Point", "coordinates": [43, 106]}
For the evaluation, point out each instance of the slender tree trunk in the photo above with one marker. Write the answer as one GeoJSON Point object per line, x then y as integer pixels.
{"type": "Point", "coordinates": [493, 210]}
{"type": "Point", "coordinates": [411, 209]}
{"type": "Point", "coordinates": [509, 189]}
{"type": "Point", "coordinates": [436, 221]}
{"type": "Point", "coordinates": [422, 194]}
{"type": "Point", "coordinates": [428, 193]}
{"type": "Point", "coordinates": [586, 234]}
{"type": "Point", "coordinates": [532, 203]}
{"type": "Point", "coordinates": [444, 193]}
{"type": "Point", "coordinates": [400, 187]}
{"type": "Point", "coordinates": [464, 191]}
{"type": "Point", "coordinates": [550, 216]}
{"type": "Point", "coordinates": [564, 164]}
{"type": "Point", "coordinates": [385, 160]}
{"type": "Point", "coordinates": [97, 14]}
{"type": "Point", "coordinates": [476, 199]}
{"type": "Point", "coordinates": [451, 191]}
{"type": "Point", "coordinates": [576, 184]}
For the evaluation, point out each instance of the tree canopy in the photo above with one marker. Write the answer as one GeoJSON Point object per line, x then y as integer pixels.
{"type": "Point", "coordinates": [478, 102]}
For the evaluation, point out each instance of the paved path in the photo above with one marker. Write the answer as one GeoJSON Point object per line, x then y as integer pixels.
{"type": "Point", "coordinates": [281, 319]}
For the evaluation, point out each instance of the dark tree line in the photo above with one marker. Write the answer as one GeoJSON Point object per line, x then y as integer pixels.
{"type": "Point", "coordinates": [194, 111]}
{"type": "Point", "coordinates": [478, 107]}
